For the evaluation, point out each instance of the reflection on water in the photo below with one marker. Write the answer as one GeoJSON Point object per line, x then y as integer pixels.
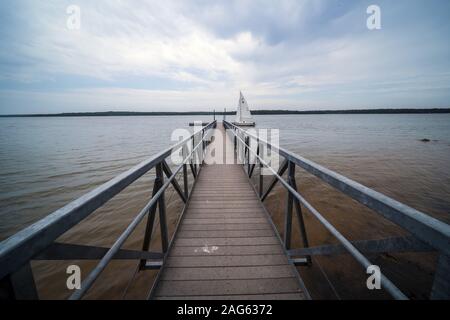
{"type": "Point", "coordinates": [47, 162]}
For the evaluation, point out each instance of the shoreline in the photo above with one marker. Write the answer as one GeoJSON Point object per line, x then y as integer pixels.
{"type": "Point", "coordinates": [210, 113]}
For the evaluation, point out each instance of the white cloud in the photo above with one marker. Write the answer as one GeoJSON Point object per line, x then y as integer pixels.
{"type": "Point", "coordinates": [194, 54]}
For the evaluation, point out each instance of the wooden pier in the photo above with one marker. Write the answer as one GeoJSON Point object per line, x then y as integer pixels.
{"type": "Point", "coordinates": [226, 247]}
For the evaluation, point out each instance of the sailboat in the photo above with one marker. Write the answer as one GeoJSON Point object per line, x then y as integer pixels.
{"type": "Point", "coordinates": [243, 115]}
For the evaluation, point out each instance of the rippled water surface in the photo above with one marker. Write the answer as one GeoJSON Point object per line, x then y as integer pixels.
{"type": "Point", "coordinates": [47, 162]}
{"type": "Point", "coordinates": [384, 152]}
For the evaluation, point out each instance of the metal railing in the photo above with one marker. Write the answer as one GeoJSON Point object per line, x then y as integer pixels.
{"type": "Point", "coordinates": [37, 242]}
{"type": "Point", "coordinates": [428, 233]}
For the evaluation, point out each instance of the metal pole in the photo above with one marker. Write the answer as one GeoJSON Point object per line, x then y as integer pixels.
{"type": "Point", "coordinates": [194, 157]}
{"type": "Point", "coordinates": [247, 143]}
{"type": "Point", "coordinates": [261, 179]}
{"type": "Point", "coordinates": [150, 222]}
{"type": "Point", "coordinates": [298, 210]}
{"type": "Point", "coordinates": [19, 285]}
{"type": "Point", "coordinates": [202, 151]}
{"type": "Point", "coordinates": [185, 175]}
{"type": "Point", "coordinates": [256, 161]}
{"type": "Point", "coordinates": [162, 211]}
{"type": "Point", "coordinates": [288, 214]}
{"type": "Point", "coordinates": [302, 227]}
{"type": "Point", "coordinates": [441, 283]}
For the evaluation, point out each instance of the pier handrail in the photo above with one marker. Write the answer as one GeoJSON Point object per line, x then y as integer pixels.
{"type": "Point", "coordinates": [38, 240]}
{"type": "Point", "coordinates": [430, 231]}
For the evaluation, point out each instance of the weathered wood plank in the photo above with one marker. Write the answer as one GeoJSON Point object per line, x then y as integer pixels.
{"type": "Point", "coordinates": [232, 200]}
{"type": "Point", "coordinates": [224, 221]}
{"type": "Point", "coordinates": [227, 287]}
{"type": "Point", "coordinates": [226, 261]}
{"type": "Point", "coordinates": [250, 198]}
{"type": "Point", "coordinates": [226, 250]}
{"type": "Point", "coordinates": [223, 205]}
{"type": "Point", "coordinates": [241, 183]}
{"type": "Point", "coordinates": [224, 215]}
{"type": "Point", "coordinates": [226, 241]}
{"type": "Point", "coordinates": [224, 234]}
{"type": "Point", "coordinates": [276, 296]}
{"type": "Point", "coordinates": [228, 194]}
{"type": "Point", "coordinates": [224, 210]}
{"type": "Point", "coordinates": [229, 273]}
{"type": "Point", "coordinates": [217, 227]}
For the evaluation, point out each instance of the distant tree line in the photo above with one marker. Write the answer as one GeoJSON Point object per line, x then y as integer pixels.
{"type": "Point", "coordinates": [230, 113]}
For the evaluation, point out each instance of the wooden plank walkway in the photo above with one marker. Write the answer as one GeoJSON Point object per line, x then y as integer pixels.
{"type": "Point", "coordinates": [225, 247]}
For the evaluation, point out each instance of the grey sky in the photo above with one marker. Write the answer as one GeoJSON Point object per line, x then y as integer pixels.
{"type": "Point", "coordinates": [196, 55]}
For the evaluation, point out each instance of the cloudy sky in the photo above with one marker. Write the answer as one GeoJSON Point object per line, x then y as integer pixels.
{"type": "Point", "coordinates": [196, 55]}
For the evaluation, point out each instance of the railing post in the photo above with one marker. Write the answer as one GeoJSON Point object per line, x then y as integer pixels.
{"type": "Point", "coordinates": [239, 149]}
{"type": "Point", "coordinates": [150, 222]}
{"type": "Point", "coordinates": [244, 147]}
{"type": "Point", "coordinates": [256, 160]}
{"type": "Point", "coordinates": [247, 142]}
{"type": "Point", "coordinates": [162, 211]}
{"type": "Point", "coordinates": [441, 283]}
{"type": "Point", "coordinates": [192, 159]}
{"type": "Point", "coordinates": [200, 151]}
{"type": "Point", "coordinates": [298, 209]}
{"type": "Point", "coordinates": [203, 146]}
{"type": "Point", "coordinates": [194, 156]}
{"type": "Point", "coordinates": [19, 285]}
{"type": "Point", "coordinates": [185, 175]}
{"type": "Point", "coordinates": [244, 151]}
{"type": "Point", "coordinates": [288, 214]}
{"type": "Point", "coordinates": [261, 177]}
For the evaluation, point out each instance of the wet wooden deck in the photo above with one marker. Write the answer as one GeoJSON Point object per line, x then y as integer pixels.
{"type": "Point", "coordinates": [225, 247]}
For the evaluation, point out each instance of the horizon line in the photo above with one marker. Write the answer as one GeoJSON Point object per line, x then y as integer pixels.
{"type": "Point", "coordinates": [254, 112]}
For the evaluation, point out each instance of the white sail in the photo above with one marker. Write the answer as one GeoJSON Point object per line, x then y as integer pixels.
{"type": "Point", "coordinates": [243, 114]}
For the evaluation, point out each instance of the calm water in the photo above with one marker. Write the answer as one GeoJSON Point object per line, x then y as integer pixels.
{"type": "Point", "coordinates": [46, 162]}
{"type": "Point", "coordinates": [384, 152]}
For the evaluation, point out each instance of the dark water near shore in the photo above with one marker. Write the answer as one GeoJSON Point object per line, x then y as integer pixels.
{"type": "Point", "coordinates": [47, 162]}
